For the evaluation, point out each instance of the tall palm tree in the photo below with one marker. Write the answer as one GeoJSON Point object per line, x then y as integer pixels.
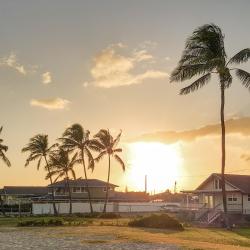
{"type": "Point", "coordinates": [108, 146]}
{"type": "Point", "coordinates": [39, 150]}
{"type": "Point", "coordinates": [76, 138]}
{"type": "Point", "coordinates": [63, 166]}
{"type": "Point", "coordinates": [205, 55]}
{"type": "Point", "coordinates": [3, 149]}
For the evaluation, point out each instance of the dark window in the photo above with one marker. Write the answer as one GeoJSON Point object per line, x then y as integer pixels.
{"type": "Point", "coordinates": [232, 198]}
{"type": "Point", "coordinates": [217, 184]}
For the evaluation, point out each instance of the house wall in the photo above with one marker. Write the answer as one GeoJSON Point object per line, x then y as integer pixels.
{"type": "Point", "coordinates": [211, 186]}
{"type": "Point", "coordinates": [246, 204]}
{"type": "Point", "coordinates": [95, 193]}
{"type": "Point", "coordinates": [233, 206]}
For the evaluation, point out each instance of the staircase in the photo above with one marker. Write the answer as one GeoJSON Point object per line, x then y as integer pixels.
{"type": "Point", "coordinates": [208, 216]}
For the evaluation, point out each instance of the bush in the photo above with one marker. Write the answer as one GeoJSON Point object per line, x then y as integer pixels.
{"type": "Point", "coordinates": [109, 216]}
{"type": "Point", "coordinates": [157, 221]}
{"type": "Point", "coordinates": [40, 223]}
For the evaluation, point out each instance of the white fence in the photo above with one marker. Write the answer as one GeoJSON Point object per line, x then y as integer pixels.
{"type": "Point", "coordinates": [117, 207]}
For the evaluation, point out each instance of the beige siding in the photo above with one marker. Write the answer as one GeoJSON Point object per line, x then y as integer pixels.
{"type": "Point", "coordinates": [246, 204]}
{"type": "Point", "coordinates": [95, 193]}
{"type": "Point", "coordinates": [211, 186]}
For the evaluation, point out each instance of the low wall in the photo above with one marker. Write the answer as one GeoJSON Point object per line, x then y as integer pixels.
{"type": "Point", "coordinates": [117, 207]}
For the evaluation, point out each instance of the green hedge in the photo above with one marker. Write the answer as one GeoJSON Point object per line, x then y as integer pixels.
{"type": "Point", "coordinates": [157, 221]}
{"type": "Point", "coordinates": [40, 222]}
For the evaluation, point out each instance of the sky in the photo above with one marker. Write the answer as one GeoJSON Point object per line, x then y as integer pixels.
{"type": "Point", "coordinates": [106, 64]}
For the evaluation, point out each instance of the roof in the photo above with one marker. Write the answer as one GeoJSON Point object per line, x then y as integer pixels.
{"type": "Point", "coordinates": [241, 182]}
{"type": "Point", "coordinates": [24, 190]}
{"type": "Point", "coordinates": [82, 183]}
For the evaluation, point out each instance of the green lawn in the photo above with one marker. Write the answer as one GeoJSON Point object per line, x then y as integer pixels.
{"type": "Point", "coordinates": [117, 230]}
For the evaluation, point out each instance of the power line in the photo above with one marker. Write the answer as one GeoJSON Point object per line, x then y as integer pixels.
{"type": "Point", "coordinates": [203, 175]}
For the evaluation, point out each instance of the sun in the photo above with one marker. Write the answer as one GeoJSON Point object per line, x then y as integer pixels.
{"type": "Point", "coordinates": [160, 162]}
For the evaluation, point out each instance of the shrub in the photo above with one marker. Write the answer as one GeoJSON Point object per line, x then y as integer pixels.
{"type": "Point", "coordinates": [109, 216]}
{"type": "Point", "coordinates": [157, 221]}
{"type": "Point", "coordinates": [40, 223]}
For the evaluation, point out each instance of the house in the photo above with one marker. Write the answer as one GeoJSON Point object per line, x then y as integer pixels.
{"type": "Point", "coordinates": [11, 195]}
{"type": "Point", "coordinates": [78, 189]}
{"type": "Point", "coordinates": [209, 205]}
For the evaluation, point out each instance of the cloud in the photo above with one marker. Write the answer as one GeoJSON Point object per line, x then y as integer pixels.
{"type": "Point", "coordinates": [46, 78]}
{"type": "Point", "coordinates": [51, 103]}
{"type": "Point", "coordinates": [233, 126]}
{"type": "Point", "coordinates": [111, 68]}
{"type": "Point", "coordinates": [12, 62]}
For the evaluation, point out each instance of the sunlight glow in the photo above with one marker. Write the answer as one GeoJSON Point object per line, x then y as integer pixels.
{"type": "Point", "coordinates": [160, 162]}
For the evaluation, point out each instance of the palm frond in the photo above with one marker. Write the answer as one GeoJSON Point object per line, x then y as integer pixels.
{"type": "Point", "coordinates": [5, 159]}
{"type": "Point", "coordinates": [196, 84]}
{"type": "Point", "coordinates": [101, 155]}
{"type": "Point", "coordinates": [39, 163]}
{"type": "Point", "coordinates": [244, 76]}
{"type": "Point", "coordinates": [117, 139]}
{"type": "Point", "coordinates": [96, 145]}
{"type": "Point", "coordinates": [91, 163]}
{"type": "Point", "coordinates": [120, 161]}
{"type": "Point", "coordinates": [240, 57]}
{"type": "Point", "coordinates": [117, 150]}
{"type": "Point", "coordinates": [185, 72]}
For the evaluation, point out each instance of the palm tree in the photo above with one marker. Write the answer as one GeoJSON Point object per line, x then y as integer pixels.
{"type": "Point", "coordinates": [76, 138]}
{"type": "Point", "coordinates": [108, 146]}
{"type": "Point", "coordinates": [3, 149]}
{"type": "Point", "coordinates": [205, 55]}
{"type": "Point", "coordinates": [39, 149]}
{"type": "Point", "coordinates": [63, 166]}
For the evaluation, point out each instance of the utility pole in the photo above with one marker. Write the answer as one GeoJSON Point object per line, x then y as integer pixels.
{"type": "Point", "coordinates": [175, 187]}
{"type": "Point", "coordinates": [146, 184]}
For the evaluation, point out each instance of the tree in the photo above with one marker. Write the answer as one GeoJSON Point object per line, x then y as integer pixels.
{"type": "Point", "coordinates": [63, 166]}
{"type": "Point", "coordinates": [39, 150]}
{"type": "Point", "coordinates": [108, 146]}
{"type": "Point", "coordinates": [75, 138]}
{"type": "Point", "coordinates": [205, 55]}
{"type": "Point", "coordinates": [3, 149]}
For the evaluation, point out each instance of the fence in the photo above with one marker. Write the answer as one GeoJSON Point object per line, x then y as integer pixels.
{"type": "Point", "coordinates": [117, 207]}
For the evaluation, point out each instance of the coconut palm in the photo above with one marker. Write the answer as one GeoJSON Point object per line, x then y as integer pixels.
{"type": "Point", "coordinates": [204, 56]}
{"type": "Point", "coordinates": [39, 150]}
{"type": "Point", "coordinates": [3, 149]}
{"type": "Point", "coordinates": [108, 146]}
{"type": "Point", "coordinates": [77, 139]}
{"type": "Point", "coordinates": [62, 166]}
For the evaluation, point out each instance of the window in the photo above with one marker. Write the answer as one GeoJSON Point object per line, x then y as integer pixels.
{"type": "Point", "coordinates": [232, 197]}
{"type": "Point", "coordinates": [105, 189]}
{"type": "Point", "coordinates": [76, 190]}
{"type": "Point", "coordinates": [217, 184]}
{"type": "Point", "coordinates": [83, 190]}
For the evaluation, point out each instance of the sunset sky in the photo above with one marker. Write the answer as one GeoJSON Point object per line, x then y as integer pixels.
{"type": "Point", "coordinates": [106, 64]}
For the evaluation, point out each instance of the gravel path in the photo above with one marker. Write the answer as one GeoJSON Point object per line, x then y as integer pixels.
{"type": "Point", "coordinates": [47, 238]}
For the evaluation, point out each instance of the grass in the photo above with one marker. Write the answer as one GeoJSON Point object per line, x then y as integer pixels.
{"type": "Point", "coordinates": [100, 230]}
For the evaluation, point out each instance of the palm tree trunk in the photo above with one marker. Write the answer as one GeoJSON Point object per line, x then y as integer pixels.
{"type": "Point", "coordinates": [107, 188]}
{"type": "Point", "coordinates": [87, 185]}
{"type": "Point", "coordinates": [51, 182]}
{"type": "Point", "coordinates": [223, 151]}
{"type": "Point", "coordinates": [2, 205]}
{"type": "Point", "coordinates": [70, 200]}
